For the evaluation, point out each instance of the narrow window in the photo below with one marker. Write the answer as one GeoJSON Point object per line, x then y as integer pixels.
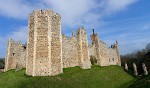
{"type": "Point", "coordinates": [13, 54]}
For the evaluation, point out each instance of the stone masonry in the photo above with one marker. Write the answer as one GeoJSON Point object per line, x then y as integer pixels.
{"type": "Point", "coordinates": [48, 51]}
{"type": "Point", "coordinates": [44, 47]}
{"type": "Point", "coordinates": [16, 55]}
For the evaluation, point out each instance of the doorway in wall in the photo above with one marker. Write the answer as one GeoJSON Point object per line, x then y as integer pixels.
{"type": "Point", "coordinates": [93, 60]}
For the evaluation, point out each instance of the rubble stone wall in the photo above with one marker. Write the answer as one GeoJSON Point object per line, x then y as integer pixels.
{"type": "Point", "coordinates": [56, 44]}
{"type": "Point", "coordinates": [104, 59]}
{"type": "Point", "coordinates": [113, 57]}
{"type": "Point", "coordinates": [30, 44]}
{"type": "Point", "coordinates": [15, 57]}
{"type": "Point", "coordinates": [41, 63]}
{"type": "Point", "coordinates": [91, 49]}
{"type": "Point", "coordinates": [70, 52]}
{"type": "Point", "coordinates": [44, 44]}
{"type": "Point", "coordinates": [83, 52]}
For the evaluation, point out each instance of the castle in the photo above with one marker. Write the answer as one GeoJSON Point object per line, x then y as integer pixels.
{"type": "Point", "coordinates": [48, 51]}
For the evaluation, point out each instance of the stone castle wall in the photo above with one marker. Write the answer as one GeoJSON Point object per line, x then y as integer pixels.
{"type": "Point", "coordinates": [44, 51]}
{"type": "Point", "coordinates": [113, 56]}
{"type": "Point", "coordinates": [83, 52]}
{"type": "Point", "coordinates": [91, 49]}
{"type": "Point", "coordinates": [49, 51]}
{"type": "Point", "coordinates": [75, 50]}
{"type": "Point", "coordinates": [104, 54]}
{"type": "Point", "coordinates": [56, 44]}
{"type": "Point", "coordinates": [30, 46]}
{"type": "Point", "coordinates": [70, 52]}
{"type": "Point", "coordinates": [16, 55]}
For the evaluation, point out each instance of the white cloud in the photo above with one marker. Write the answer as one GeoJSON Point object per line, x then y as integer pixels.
{"type": "Point", "coordinates": [19, 35]}
{"type": "Point", "coordinates": [73, 12]}
{"type": "Point", "coordinates": [88, 13]}
{"type": "Point", "coordinates": [13, 8]}
{"type": "Point", "coordinates": [17, 8]}
{"type": "Point", "coordinates": [117, 5]}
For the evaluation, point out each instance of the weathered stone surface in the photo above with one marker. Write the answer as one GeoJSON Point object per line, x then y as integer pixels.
{"type": "Point", "coordinates": [69, 53]}
{"type": "Point", "coordinates": [126, 67]}
{"type": "Point", "coordinates": [104, 59]}
{"type": "Point", "coordinates": [144, 69]}
{"type": "Point", "coordinates": [1, 70]}
{"type": "Point", "coordinates": [44, 51]}
{"type": "Point", "coordinates": [135, 69]}
{"type": "Point", "coordinates": [15, 56]}
{"type": "Point", "coordinates": [83, 53]}
{"type": "Point", "coordinates": [105, 56]}
{"type": "Point", "coordinates": [113, 56]}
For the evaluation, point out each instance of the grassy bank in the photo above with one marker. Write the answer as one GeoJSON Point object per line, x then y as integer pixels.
{"type": "Point", "coordinates": [143, 82]}
{"type": "Point", "coordinates": [97, 77]}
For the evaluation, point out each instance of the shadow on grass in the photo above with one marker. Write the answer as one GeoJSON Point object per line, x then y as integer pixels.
{"type": "Point", "coordinates": [143, 82]}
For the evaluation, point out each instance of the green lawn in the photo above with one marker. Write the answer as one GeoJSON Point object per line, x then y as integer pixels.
{"type": "Point", "coordinates": [97, 77]}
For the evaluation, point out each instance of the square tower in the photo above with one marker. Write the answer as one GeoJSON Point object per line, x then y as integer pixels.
{"type": "Point", "coordinates": [83, 53]}
{"type": "Point", "coordinates": [44, 46]}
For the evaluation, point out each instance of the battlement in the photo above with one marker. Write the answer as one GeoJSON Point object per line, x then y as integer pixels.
{"type": "Point", "coordinates": [46, 13]}
{"type": "Point", "coordinates": [94, 37]}
{"type": "Point", "coordinates": [114, 46]}
{"type": "Point", "coordinates": [14, 42]}
{"type": "Point", "coordinates": [68, 39]}
{"type": "Point", "coordinates": [81, 31]}
{"type": "Point", "coordinates": [49, 12]}
{"type": "Point", "coordinates": [102, 42]}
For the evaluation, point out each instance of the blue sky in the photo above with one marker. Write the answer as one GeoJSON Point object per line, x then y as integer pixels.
{"type": "Point", "coordinates": [127, 21]}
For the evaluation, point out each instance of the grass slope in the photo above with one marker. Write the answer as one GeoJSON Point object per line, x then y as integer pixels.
{"type": "Point", "coordinates": [144, 82]}
{"type": "Point", "coordinates": [97, 77]}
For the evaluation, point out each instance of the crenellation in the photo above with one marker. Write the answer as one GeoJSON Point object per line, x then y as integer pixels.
{"type": "Point", "coordinates": [48, 51]}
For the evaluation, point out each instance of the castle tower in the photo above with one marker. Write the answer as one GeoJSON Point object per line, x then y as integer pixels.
{"type": "Point", "coordinates": [118, 53]}
{"type": "Point", "coordinates": [101, 51]}
{"type": "Point", "coordinates": [9, 55]}
{"type": "Point", "coordinates": [95, 42]}
{"type": "Point", "coordinates": [13, 56]}
{"type": "Point", "coordinates": [114, 55]}
{"type": "Point", "coordinates": [44, 46]}
{"type": "Point", "coordinates": [94, 37]}
{"type": "Point", "coordinates": [83, 53]}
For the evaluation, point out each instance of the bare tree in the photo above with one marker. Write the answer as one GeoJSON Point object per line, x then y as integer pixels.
{"type": "Point", "coordinates": [147, 47]}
